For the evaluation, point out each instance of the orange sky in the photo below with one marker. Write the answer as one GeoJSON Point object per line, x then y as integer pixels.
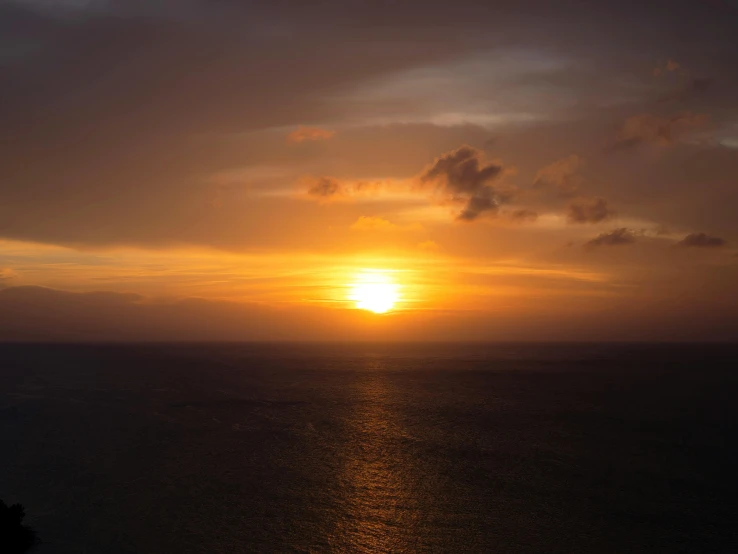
{"type": "Point", "coordinates": [184, 174]}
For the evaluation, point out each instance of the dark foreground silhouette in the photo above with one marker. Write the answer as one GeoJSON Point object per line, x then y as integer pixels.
{"type": "Point", "coordinates": [15, 538]}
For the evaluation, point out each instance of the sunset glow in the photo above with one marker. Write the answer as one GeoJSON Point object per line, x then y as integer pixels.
{"type": "Point", "coordinates": [475, 188]}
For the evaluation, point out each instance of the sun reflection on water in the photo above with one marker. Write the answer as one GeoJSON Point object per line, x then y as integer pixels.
{"type": "Point", "coordinates": [378, 477]}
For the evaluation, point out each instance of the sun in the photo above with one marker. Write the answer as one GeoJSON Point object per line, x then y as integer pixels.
{"type": "Point", "coordinates": [374, 290]}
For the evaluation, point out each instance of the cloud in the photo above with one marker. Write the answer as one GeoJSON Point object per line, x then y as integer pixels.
{"type": "Point", "coordinates": [463, 176]}
{"type": "Point", "coordinates": [689, 86]}
{"type": "Point", "coordinates": [39, 313]}
{"type": "Point", "coordinates": [151, 115]}
{"type": "Point", "coordinates": [302, 134]}
{"type": "Point", "coordinates": [692, 88]}
{"type": "Point", "coordinates": [701, 240]}
{"type": "Point", "coordinates": [373, 223]}
{"type": "Point", "coordinates": [369, 223]}
{"type": "Point", "coordinates": [524, 216]}
{"type": "Point", "coordinates": [325, 188]}
{"type": "Point", "coordinates": [589, 210]}
{"type": "Point", "coordinates": [7, 276]}
{"type": "Point", "coordinates": [617, 237]}
{"type": "Point", "coordinates": [428, 246]}
{"type": "Point", "coordinates": [329, 188]}
{"type": "Point", "coordinates": [651, 129]}
{"type": "Point", "coordinates": [669, 67]}
{"type": "Point", "coordinates": [562, 175]}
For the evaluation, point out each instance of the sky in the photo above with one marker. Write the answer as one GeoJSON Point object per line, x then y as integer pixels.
{"type": "Point", "coordinates": [235, 170]}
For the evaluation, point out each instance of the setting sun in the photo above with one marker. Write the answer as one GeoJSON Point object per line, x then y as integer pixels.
{"type": "Point", "coordinates": [375, 291]}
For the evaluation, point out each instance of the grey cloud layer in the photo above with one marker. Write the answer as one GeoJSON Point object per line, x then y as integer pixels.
{"type": "Point", "coordinates": [113, 119]}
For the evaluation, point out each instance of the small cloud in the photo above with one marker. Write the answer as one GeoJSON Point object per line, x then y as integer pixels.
{"type": "Point", "coordinates": [692, 88]}
{"type": "Point", "coordinates": [589, 210]}
{"type": "Point", "coordinates": [367, 223]}
{"type": "Point", "coordinates": [524, 216]}
{"type": "Point", "coordinates": [428, 246]}
{"type": "Point", "coordinates": [463, 176]}
{"type": "Point", "coordinates": [701, 240]}
{"type": "Point", "coordinates": [370, 223]}
{"type": "Point", "coordinates": [669, 67]}
{"type": "Point", "coordinates": [301, 134]}
{"type": "Point", "coordinates": [562, 176]}
{"type": "Point", "coordinates": [219, 195]}
{"type": "Point", "coordinates": [7, 276]}
{"type": "Point", "coordinates": [661, 230]}
{"type": "Point", "coordinates": [368, 187]}
{"type": "Point", "coordinates": [617, 237]}
{"type": "Point", "coordinates": [664, 131]}
{"type": "Point", "coordinates": [326, 188]}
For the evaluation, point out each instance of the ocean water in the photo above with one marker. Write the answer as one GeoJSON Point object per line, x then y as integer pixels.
{"type": "Point", "coordinates": [372, 448]}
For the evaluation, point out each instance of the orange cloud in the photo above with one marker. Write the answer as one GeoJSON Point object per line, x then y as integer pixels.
{"type": "Point", "coordinates": [302, 134]}
{"type": "Point", "coordinates": [7, 276]}
{"type": "Point", "coordinates": [562, 175]}
{"type": "Point", "coordinates": [665, 131]}
{"type": "Point", "coordinates": [428, 246]}
{"type": "Point", "coordinates": [367, 223]}
{"type": "Point", "coordinates": [370, 223]}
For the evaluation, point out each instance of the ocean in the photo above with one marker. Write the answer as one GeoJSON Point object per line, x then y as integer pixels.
{"type": "Point", "coordinates": [368, 448]}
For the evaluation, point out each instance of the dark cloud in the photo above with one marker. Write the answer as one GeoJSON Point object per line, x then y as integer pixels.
{"type": "Point", "coordinates": [670, 66]}
{"type": "Point", "coordinates": [687, 87]}
{"type": "Point", "coordinates": [329, 188]}
{"type": "Point", "coordinates": [484, 201]}
{"type": "Point", "coordinates": [462, 175]}
{"type": "Point", "coordinates": [589, 210]}
{"type": "Point", "coordinates": [701, 240]}
{"type": "Point", "coordinates": [326, 187]}
{"type": "Point", "coordinates": [691, 88]}
{"type": "Point", "coordinates": [617, 237]}
{"type": "Point", "coordinates": [652, 129]}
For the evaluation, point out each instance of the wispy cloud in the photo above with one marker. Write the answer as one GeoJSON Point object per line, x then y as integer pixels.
{"type": "Point", "coordinates": [379, 224]}
{"type": "Point", "coordinates": [617, 237]}
{"type": "Point", "coordinates": [589, 210]}
{"type": "Point", "coordinates": [664, 131]}
{"type": "Point", "coordinates": [562, 176]}
{"type": "Point", "coordinates": [701, 240]}
{"type": "Point", "coordinates": [302, 134]}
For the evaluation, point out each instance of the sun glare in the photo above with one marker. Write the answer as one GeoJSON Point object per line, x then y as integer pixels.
{"type": "Point", "coordinates": [374, 290]}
